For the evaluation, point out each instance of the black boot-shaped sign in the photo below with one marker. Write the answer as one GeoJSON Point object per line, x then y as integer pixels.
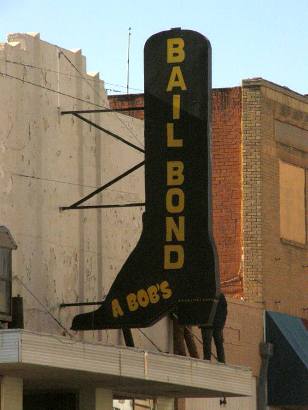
{"type": "Point", "coordinates": [174, 265]}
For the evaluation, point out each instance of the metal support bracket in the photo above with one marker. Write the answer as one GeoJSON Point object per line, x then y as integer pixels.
{"type": "Point", "coordinates": [77, 205]}
{"type": "Point", "coordinates": [64, 305]}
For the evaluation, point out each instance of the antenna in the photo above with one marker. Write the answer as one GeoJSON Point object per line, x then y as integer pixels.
{"type": "Point", "coordinates": [128, 50]}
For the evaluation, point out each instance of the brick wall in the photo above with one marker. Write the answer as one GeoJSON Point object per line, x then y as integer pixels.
{"type": "Point", "coordinates": [275, 268]}
{"type": "Point", "coordinates": [284, 271]}
{"type": "Point", "coordinates": [252, 194]}
{"type": "Point", "coordinates": [126, 101]}
{"type": "Point", "coordinates": [227, 191]}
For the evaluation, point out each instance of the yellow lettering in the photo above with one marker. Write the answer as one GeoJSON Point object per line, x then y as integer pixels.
{"type": "Point", "coordinates": [172, 207]}
{"type": "Point", "coordinates": [171, 140]}
{"type": "Point", "coordinates": [153, 294]}
{"type": "Point", "coordinates": [143, 298]}
{"type": "Point", "coordinates": [176, 250]}
{"type": "Point", "coordinates": [165, 290]}
{"type": "Point", "coordinates": [175, 50]}
{"type": "Point", "coordinates": [116, 308]}
{"type": "Point", "coordinates": [176, 79]}
{"type": "Point", "coordinates": [176, 229]}
{"type": "Point", "coordinates": [175, 172]}
{"type": "Point", "coordinates": [176, 104]}
{"type": "Point", "coordinates": [132, 302]}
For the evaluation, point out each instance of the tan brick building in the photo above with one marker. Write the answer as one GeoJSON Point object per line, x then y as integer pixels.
{"type": "Point", "coordinates": [275, 147]}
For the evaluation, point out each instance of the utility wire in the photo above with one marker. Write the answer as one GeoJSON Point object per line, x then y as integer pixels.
{"type": "Point", "coordinates": [123, 86]}
{"type": "Point", "coordinates": [43, 306]}
{"type": "Point", "coordinates": [70, 334]}
{"type": "Point", "coordinates": [64, 94]}
{"type": "Point", "coordinates": [71, 96]}
{"type": "Point", "coordinates": [47, 310]}
{"type": "Point", "coordinates": [54, 180]}
{"type": "Point", "coordinates": [49, 70]}
{"type": "Point", "coordinates": [65, 74]}
{"type": "Point", "coordinates": [105, 186]}
{"type": "Point", "coordinates": [150, 340]}
{"type": "Point", "coordinates": [88, 102]}
{"type": "Point", "coordinates": [71, 183]}
{"type": "Point", "coordinates": [50, 89]}
{"type": "Point", "coordinates": [93, 124]}
{"type": "Point", "coordinates": [96, 92]}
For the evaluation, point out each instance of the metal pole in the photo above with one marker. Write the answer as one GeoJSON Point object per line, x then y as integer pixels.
{"type": "Point", "coordinates": [128, 51]}
{"type": "Point", "coordinates": [102, 188]}
{"type": "Point", "coordinates": [112, 134]}
{"type": "Point", "coordinates": [59, 56]}
{"type": "Point", "coordinates": [64, 305]}
{"type": "Point", "coordinates": [137, 204]}
{"type": "Point", "coordinates": [103, 110]}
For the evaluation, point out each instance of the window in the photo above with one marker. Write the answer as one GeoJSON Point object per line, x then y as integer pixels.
{"type": "Point", "coordinates": [5, 280]}
{"type": "Point", "coordinates": [7, 244]}
{"type": "Point", "coordinates": [292, 203]}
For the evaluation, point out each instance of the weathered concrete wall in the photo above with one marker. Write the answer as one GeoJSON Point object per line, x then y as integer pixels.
{"type": "Point", "coordinates": [48, 161]}
{"type": "Point", "coordinates": [232, 403]}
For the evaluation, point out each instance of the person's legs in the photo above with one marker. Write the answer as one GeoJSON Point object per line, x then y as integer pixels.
{"type": "Point", "coordinates": [207, 334]}
{"type": "Point", "coordinates": [219, 343]}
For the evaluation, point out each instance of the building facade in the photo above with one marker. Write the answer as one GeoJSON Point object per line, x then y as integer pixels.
{"type": "Point", "coordinates": [50, 159]}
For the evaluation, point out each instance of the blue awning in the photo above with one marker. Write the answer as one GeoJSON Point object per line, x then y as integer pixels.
{"type": "Point", "coordinates": [288, 367]}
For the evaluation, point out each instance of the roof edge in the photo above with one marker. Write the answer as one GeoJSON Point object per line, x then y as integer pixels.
{"type": "Point", "coordinates": [261, 82]}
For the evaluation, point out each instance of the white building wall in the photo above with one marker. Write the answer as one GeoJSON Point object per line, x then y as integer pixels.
{"type": "Point", "coordinates": [123, 405]}
{"type": "Point", "coordinates": [48, 161]}
{"type": "Point", "coordinates": [232, 403]}
{"type": "Point", "coordinates": [11, 397]}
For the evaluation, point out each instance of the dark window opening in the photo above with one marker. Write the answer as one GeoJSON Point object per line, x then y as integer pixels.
{"type": "Point", "coordinates": [50, 401]}
{"type": "Point", "coordinates": [5, 281]}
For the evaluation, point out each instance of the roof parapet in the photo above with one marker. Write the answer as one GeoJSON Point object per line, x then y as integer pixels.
{"type": "Point", "coordinates": [261, 82]}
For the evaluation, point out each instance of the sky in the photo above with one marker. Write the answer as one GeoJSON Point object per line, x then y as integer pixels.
{"type": "Point", "coordinates": [250, 38]}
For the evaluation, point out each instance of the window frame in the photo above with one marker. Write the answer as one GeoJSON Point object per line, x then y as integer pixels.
{"type": "Point", "coordinates": [7, 280]}
{"type": "Point", "coordinates": [283, 235]}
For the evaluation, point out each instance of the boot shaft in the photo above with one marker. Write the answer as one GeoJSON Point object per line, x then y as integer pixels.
{"type": "Point", "coordinates": [177, 120]}
{"type": "Point", "coordinates": [178, 155]}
